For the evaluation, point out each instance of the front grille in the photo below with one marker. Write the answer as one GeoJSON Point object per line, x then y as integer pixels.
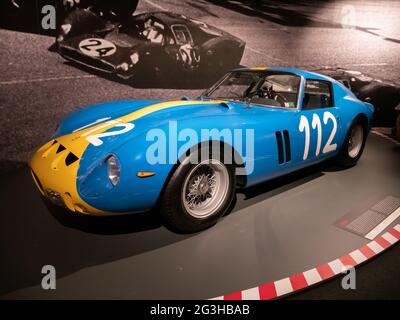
{"type": "Point", "coordinates": [77, 57]}
{"type": "Point", "coordinates": [55, 198]}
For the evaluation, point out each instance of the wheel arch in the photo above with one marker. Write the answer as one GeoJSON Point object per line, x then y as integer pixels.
{"type": "Point", "coordinates": [241, 180]}
{"type": "Point", "coordinates": [364, 120]}
{"type": "Point", "coordinates": [237, 159]}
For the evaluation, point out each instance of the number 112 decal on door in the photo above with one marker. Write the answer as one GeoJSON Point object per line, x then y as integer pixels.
{"type": "Point", "coordinates": [304, 126]}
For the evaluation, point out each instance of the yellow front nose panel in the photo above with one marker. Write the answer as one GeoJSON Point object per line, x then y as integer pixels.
{"type": "Point", "coordinates": [55, 175]}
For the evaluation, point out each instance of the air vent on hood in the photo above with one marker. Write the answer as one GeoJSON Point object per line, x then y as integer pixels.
{"type": "Point", "coordinates": [70, 159]}
{"type": "Point", "coordinates": [60, 148]}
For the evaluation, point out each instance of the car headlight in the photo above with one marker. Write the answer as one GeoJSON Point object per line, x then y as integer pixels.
{"type": "Point", "coordinates": [123, 66]}
{"type": "Point", "coordinates": [113, 169]}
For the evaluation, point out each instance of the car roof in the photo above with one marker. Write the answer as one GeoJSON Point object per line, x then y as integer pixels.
{"type": "Point", "coordinates": [301, 72]}
{"type": "Point", "coordinates": [168, 18]}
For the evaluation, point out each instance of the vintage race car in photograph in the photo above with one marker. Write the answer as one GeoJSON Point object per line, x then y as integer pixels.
{"type": "Point", "coordinates": [132, 156]}
{"type": "Point", "coordinates": [147, 45]}
{"type": "Point", "coordinates": [385, 97]}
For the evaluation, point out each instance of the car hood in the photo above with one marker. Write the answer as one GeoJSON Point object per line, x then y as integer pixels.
{"type": "Point", "coordinates": [155, 113]}
{"type": "Point", "coordinates": [106, 110]}
{"type": "Point", "coordinates": [133, 120]}
{"type": "Point", "coordinates": [76, 130]}
{"type": "Point", "coordinates": [125, 46]}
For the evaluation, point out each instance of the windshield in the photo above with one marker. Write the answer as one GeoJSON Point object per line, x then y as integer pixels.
{"type": "Point", "coordinates": [272, 89]}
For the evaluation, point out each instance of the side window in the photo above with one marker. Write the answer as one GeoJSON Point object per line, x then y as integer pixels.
{"type": "Point", "coordinates": [182, 34]}
{"type": "Point", "coordinates": [317, 95]}
{"type": "Point", "coordinates": [277, 90]}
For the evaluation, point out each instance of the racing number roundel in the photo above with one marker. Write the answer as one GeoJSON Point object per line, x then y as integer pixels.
{"type": "Point", "coordinates": [97, 47]}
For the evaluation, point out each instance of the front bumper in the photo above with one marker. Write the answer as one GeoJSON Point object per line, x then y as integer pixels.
{"type": "Point", "coordinates": [54, 170]}
{"type": "Point", "coordinates": [101, 65]}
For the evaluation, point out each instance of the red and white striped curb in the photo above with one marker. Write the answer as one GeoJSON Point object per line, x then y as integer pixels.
{"type": "Point", "coordinates": [323, 272]}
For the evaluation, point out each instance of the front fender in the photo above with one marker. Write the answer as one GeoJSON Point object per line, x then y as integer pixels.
{"type": "Point", "coordinates": [98, 113]}
{"type": "Point", "coordinates": [148, 151]}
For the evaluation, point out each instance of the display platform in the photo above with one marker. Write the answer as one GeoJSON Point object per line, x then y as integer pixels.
{"type": "Point", "coordinates": [275, 230]}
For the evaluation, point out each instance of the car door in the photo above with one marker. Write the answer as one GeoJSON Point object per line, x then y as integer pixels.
{"type": "Point", "coordinates": [318, 123]}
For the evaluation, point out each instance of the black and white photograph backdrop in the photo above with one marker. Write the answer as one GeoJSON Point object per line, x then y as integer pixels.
{"type": "Point", "coordinates": [59, 56]}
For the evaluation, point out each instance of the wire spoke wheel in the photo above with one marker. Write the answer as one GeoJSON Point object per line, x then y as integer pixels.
{"type": "Point", "coordinates": [356, 138]}
{"type": "Point", "coordinates": [205, 188]}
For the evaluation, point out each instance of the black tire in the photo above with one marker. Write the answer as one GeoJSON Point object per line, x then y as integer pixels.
{"type": "Point", "coordinates": [345, 157]}
{"type": "Point", "coordinates": [175, 215]}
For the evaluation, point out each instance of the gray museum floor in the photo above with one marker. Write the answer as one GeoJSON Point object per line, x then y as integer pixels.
{"type": "Point", "coordinates": [276, 229]}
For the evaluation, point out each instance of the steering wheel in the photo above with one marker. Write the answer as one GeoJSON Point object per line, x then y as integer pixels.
{"type": "Point", "coordinates": [268, 92]}
{"type": "Point", "coordinates": [280, 98]}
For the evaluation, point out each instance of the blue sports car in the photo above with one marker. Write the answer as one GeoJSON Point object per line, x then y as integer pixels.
{"type": "Point", "coordinates": [188, 156]}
